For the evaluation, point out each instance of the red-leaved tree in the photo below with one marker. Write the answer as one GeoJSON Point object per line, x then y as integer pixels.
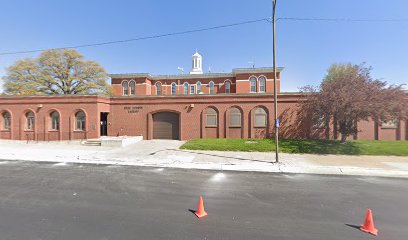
{"type": "Point", "coordinates": [349, 94]}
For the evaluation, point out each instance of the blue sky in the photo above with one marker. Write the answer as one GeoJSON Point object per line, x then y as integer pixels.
{"type": "Point", "coordinates": [305, 49]}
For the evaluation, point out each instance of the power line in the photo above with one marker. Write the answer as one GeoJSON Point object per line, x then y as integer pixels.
{"type": "Point", "coordinates": [344, 19]}
{"type": "Point", "coordinates": [140, 38]}
{"type": "Point", "coordinates": [207, 29]}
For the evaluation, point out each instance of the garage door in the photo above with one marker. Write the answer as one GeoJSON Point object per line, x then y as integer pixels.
{"type": "Point", "coordinates": [166, 125]}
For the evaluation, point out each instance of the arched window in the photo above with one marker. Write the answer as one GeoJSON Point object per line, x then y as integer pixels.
{"type": "Point", "coordinates": [173, 89]}
{"type": "Point", "coordinates": [132, 86]}
{"type": "Point", "coordinates": [260, 117]}
{"type": "Point", "coordinates": [211, 87]}
{"type": "Point", "coordinates": [235, 117]}
{"type": "Point", "coordinates": [80, 121]}
{"type": "Point", "coordinates": [185, 88]}
{"type": "Point", "coordinates": [6, 120]}
{"type": "Point", "coordinates": [211, 117]}
{"type": "Point", "coordinates": [158, 89]}
{"type": "Point", "coordinates": [30, 121]}
{"type": "Point", "coordinates": [125, 87]}
{"type": "Point", "coordinates": [227, 87]}
{"type": "Point", "coordinates": [55, 120]}
{"type": "Point", "coordinates": [252, 81]}
{"type": "Point", "coordinates": [198, 87]}
{"type": "Point", "coordinates": [262, 81]}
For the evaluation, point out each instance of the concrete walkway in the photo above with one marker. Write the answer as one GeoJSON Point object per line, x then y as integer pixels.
{"type": "Point", "coordinates": [165, 153]}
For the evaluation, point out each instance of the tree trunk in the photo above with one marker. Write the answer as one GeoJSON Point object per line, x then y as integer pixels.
{"type": "Point", "coordinates": [343, 137]}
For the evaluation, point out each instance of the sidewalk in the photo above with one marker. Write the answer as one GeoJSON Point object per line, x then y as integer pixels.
{"type": "Point", "coordinates": [163, 153]}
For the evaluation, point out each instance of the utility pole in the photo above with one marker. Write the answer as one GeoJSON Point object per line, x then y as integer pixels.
{"type": "Point", "coordinates": [275, 95]}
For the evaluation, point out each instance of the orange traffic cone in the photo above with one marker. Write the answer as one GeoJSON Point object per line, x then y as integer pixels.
{"type": "Point", "coordinates": [368, 225]}
{"type": "Point", "coordinates": [200, 209]}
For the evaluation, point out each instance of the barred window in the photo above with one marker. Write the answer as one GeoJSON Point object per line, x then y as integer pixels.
{"type": "Point", "coordinates": [252, 81]}
{"type": "Point", "coordinates": [173, 89]}
{"type": "Point", "coordinates": [30, 121]}
{"type": "Point", "coordinates": [262, 81]}
{"type": "Point", "coordinates": [55, 120]}
{"type": "Point", "coordinates": [158, 89]}
{"type": "Point", "coordinates": [260, 117]}
{"type": "Point", "coordinates": [185, 88]}
{"type": "Point", "coordinates": [211, 118]}
{"type": "Point", "coordinates": [80, 121]}
{"type": "Point", "coordinates": [132, 88]}
{"type": "Point", "coordinates": [6, 121]}
{"type": "Point", "coordinates": [235, 117]}
{"type": "Point", "coordinates": [125, 86]}
{"type": "Point", "coordinates": [211, 87]}
{"type": "Point", "coordinates": [227, 87]}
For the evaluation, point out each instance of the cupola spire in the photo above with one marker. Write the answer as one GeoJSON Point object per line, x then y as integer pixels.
{"type": "Point", "coordinates": [197, 61]}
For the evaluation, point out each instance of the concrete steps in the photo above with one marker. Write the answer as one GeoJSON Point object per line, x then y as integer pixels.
{"type": "Point", "coordinates": [92, 142]}
{"type": "Point", "coordinates": [121, 141]}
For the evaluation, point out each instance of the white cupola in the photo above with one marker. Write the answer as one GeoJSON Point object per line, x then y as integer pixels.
{"type": "Point", "coordinates": [197, 61]}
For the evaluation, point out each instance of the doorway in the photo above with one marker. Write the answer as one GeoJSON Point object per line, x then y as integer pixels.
{"type": "Point", "coordinates": [104, 124]}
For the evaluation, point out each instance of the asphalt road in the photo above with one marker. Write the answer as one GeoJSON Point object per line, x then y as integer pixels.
{"type": "Point", "coordinates": [55, 201]}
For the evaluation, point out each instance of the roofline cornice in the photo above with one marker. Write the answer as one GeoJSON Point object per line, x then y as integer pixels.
{"type": "Point", "coordinates": [196, 76]}
{"type": "Point", "coordinates": [193, 96]}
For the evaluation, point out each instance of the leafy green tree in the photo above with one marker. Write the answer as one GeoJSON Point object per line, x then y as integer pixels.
{"type": "Point", "coordinates": [349, 94]}
{"type": "Point", "coordinates": [56, 72]}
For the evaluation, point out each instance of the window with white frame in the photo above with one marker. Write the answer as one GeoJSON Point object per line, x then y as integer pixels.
{"type": "Point", "coordinates": [6, 120]}
{"type": "Point", "coordinates": [235, 117]}
{"type": "Point", "coordinates": [173, 89]}
{"type": "Point", "coordinates": [319, 121]}
{"type": "Point", "coordinates": [198, 87]}
{"type": "Point", "coordinates": [30, 121]}
{"type": "Point", "coordinates": [55, 120]}
{"type": "Point", "coordinates": [260, 117]}
{"type": "Point", "coordinates": [132, 86]}
{"type": "Point", "coordinates": [192, 89]}
{"type": "Point", "coordinates": [211, 87]}
{"type": "Point", "coordinates": [125, 86]}
{"type": "Point", "coordinates": [261, 81]}
{"type": "Point", "coordinates": [389, 124]}
{"type": "Point", "coordinates": [158, 89]}
{"type": "Point", "coordinates": [227, 87]}
{"type": "Point", "coordinates": [185, 88]}
{"type": "Point", "coordinates": [80, 121]}
{"type": "Point", "coordinates": [252, 81]}
{"type": "Point", "coordinates": [211, 117]}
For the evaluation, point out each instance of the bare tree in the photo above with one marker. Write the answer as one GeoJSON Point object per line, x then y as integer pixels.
{"type": "Point", "coordinates": [56, 72]}
{"type": "Point", "coordinates": [349, 94]}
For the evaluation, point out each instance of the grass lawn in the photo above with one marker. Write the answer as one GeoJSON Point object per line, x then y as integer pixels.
{"type": "Point", "coordinates": [358, 147]}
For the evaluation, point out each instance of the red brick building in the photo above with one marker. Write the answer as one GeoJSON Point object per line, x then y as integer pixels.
{"type": "Point", "coordinates": [186, 106]}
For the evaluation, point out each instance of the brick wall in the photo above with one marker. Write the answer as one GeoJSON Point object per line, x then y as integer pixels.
{"type": "Point", "coordinates": [239, 84]}
{"type": "Point", "coordinates": [133, 116]}
{"type": "Point", "coordinates": [42, 107]}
